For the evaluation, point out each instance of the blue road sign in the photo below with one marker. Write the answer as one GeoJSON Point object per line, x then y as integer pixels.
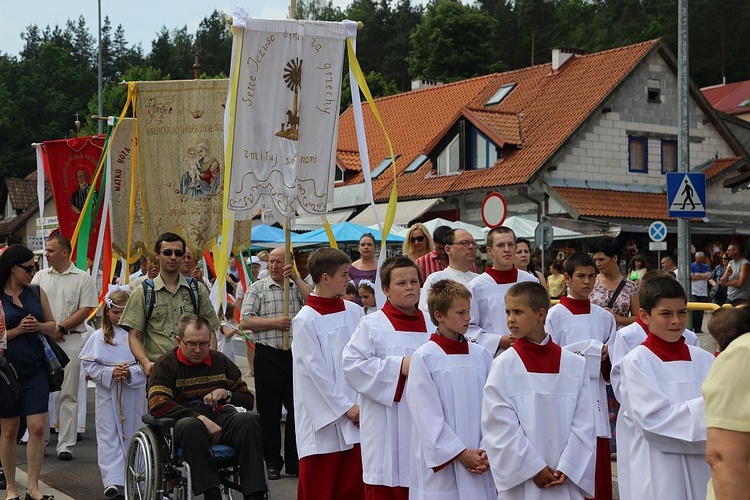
{"type": "Point", "coordinates": [686, 195]}
{"type": "Point", "coordinates": [657, 231]}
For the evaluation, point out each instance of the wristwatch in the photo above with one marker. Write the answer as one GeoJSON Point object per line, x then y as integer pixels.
{"type": "Point", "coordinates": [62, 329]}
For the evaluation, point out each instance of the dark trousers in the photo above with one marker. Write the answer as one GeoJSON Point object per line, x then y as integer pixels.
{"type": "Point", "coordinates": [241, 431]}
{"type": "Point", "coordinates": [698, 315]}
{"type": "Point", "coordinates": [273, 387]}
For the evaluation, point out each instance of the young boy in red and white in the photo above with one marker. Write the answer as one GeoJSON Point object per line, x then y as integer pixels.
{"type": "Point", "coordinates": [584, 329]}
{"type": "Point", "coordinates": [376, 364]}
{"type": "Point", "coordinates": [444, 395]}
{"type": "Point", "coordinates": [326, 409]}
{"type": "Point", "coordinates": [537, 408]}
{"type": "Point", "coordinates": [663, 408]}
{"type": "Point", "coordinates": [488, 327]}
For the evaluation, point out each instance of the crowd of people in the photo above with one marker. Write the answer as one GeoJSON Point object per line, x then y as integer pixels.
{"type": "Point", "coordinates": [460, 385]}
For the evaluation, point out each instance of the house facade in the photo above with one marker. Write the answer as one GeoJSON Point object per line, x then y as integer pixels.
{"type": "Point", "coordinates": [585, 140]}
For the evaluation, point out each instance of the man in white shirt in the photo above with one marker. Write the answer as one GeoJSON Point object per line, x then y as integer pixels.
{"type": "Point", "coordinates": [72, 297]}
{"type": "Point", "coordinates": [461, 249]}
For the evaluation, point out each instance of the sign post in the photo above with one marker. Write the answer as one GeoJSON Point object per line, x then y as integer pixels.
{"type": "Point", "coordinates": [544, 235]}
{"type": "Point", "coordinates": [494, 210]}
{"type": "Point", "coordinates": [657, 231]}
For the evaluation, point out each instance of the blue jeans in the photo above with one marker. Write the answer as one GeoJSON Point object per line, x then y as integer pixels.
{"type": "Point", "coordinates": [698, 315]}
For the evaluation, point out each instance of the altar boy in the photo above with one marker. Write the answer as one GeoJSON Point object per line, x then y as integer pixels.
{"type": "Point", "coordinates": [444, 395]}
{"type": "Point", "coordinates": [537, 410]}
{"type": "Point", "coordinates": [662, 402]}
{"type": "Point", "coordinates": [584, 328]}
{"type": "Point", "coordinates": [376, 364]}
{"type": "Point", "coordinates": [326, 411]}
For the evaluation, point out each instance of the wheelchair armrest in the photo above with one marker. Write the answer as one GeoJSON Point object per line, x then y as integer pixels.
{"type": "Point", "coordinates": [161, 423]}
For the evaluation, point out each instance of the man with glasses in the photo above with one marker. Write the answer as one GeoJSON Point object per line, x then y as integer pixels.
{"type": "Point", "coordinates": [460, 247]}
{"type": "Point", "coordinates": [204, 392]}
{"type": "Point", "coordinates": [153, 324]}
{"type": "Point", "coordinates": [72, 297]}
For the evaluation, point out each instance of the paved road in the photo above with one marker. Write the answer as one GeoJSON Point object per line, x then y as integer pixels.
{"type": "Point", "coordinates": [80, 478]}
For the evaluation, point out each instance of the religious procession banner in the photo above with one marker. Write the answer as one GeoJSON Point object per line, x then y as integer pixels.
{"type": "Point", "coordinates": [127, 219]}
{"type": "Point", "coordinates": [283, 130]}
{"type": "Point", "coordinates": [70, 165]}
{"type": "Point", "coordinates": [180, 131]}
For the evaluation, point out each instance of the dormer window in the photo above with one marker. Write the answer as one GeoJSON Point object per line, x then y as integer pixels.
{"type": "Point", "coordinates": [501, 94]}
{"type": "Point", "coordinates": [484, 152]}
{"type": "Point", "coordinates": [338, 176]}
{"type": "Point", "coordinates": [449, 160]}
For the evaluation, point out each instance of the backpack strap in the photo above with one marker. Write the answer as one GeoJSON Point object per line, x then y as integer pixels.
{"type": "Point", "coordinates": [194, 295]}
{"type": "Point", "coordinates": [149, 296]}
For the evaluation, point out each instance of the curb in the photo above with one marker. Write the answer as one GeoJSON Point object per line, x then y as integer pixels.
{"type": "Point", "coordinates": [22, 480]}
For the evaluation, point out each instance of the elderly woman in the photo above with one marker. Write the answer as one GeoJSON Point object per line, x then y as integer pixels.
{"type": "Point", "coordinates": [27, 313]}
{"type": "Point", "coordinates": [726, 393]}
{"type": "Point", "coordinates": [417, 242]}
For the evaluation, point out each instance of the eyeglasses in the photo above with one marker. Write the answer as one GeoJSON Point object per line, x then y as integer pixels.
{"type": "Point", "coordinates": [192, 345]}
{"type": "Point", "coordinates": [29, 269]}
{"type": "Point", "coordinates": [177, 253]}
{"type": "Point", "coordinates": [415, 239]}
{"type": "Point", "coordinates": [466, 243]}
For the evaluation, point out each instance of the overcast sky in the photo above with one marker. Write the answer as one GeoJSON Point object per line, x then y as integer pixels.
{"type": "Point", "coordinates": [141, 19]}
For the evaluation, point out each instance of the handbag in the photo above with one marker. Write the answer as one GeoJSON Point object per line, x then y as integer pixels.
{"type": "Point", "coordinates": [55, 359]}
{"type": "Point", "coordinates": [10, 389]}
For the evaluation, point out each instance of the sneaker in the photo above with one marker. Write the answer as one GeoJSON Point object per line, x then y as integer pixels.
{"type": "Point", "coordinates": [110, 491]}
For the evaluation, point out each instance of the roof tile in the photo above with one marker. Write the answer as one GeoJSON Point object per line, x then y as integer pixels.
{"type": "Point", "coordinates": [617, 204]}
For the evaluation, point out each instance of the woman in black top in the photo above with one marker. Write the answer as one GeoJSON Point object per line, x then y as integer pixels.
{"type": "Point", "coordinates": [25, 316]}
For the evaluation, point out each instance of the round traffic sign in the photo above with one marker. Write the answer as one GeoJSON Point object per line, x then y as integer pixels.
{"type": "Point", "coordinates": [657, 231]}
{"type": "Point", "coordinates": [494, 210]}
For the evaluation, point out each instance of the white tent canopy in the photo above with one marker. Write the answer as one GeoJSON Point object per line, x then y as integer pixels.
{"type": "Point", "coordinates": [525, 225]}
{"type": "Point", "coordinates": [476, 232]}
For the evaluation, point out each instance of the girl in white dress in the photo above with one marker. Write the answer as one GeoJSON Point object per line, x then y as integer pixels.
{"type": "Point", "coordinates": [120, 394]}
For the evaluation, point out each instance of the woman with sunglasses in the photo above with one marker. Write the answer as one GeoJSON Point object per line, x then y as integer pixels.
{"type": "Point", "coordinates": [366, 266]}
{"type": "Point", "coordinates": [718, 293]}
{"type": "Point", "coordinates": [27, 312]}
{"type": "Point", "coordinates": [417, 242]}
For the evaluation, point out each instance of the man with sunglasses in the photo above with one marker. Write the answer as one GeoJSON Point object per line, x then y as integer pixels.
{"type": "Point", "coordinates": [204, 392]}
{"type": "Point", "coordinates": [153, 329]}
{"type": "Point", "coordinates": [72, 297]}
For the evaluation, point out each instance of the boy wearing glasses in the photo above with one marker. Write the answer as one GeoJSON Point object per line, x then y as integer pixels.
{"type": "Point", "coordinates": [202, 389]}
{"type": "Point", "coordinates": [153, 330]}
{"type": "Point", "coordinates": [461, 249]}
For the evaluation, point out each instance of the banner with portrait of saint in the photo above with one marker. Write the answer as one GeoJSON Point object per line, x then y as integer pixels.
{"type": "Point", "coordinates": [70, 166]}
{"type": "Point", "coordinates": [180, 132]}
{"type": "Point", "coordinates": [285, 123]}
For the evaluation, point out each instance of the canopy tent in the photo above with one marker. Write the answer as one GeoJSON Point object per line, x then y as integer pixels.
{"type": "Point", "coordinates": [476, 232]}
{"type": "Point", "coordinates": [525, 225]}
{"type": "Point", "coordinates": [344, 232]}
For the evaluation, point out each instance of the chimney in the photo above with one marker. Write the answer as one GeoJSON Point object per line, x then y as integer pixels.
{"type": "Point", "coordinates": [561, 55]}
{"type": "Point", "coordinates": [421, 83]}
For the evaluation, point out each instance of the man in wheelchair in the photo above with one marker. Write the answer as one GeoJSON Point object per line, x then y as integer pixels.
{"type": "Point", "coordinates": [202, 390]}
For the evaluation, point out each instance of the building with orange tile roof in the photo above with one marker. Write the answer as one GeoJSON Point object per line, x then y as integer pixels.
{"type": "Point", "coordinates": [585, 140]}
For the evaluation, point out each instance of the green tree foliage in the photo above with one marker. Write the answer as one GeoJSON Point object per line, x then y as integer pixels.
{"type": "Point", "coordinates": [378, 85]}
{"type": "Point", "coordinates": [450, 44]}
{"type": "Point", "coordinates": [213, 42]}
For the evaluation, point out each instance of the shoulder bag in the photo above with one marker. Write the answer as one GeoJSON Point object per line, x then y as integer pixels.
{"type": "Point", "coordinates": [54, 356]}
{"type": "Point", "coordinates": [10, 389]}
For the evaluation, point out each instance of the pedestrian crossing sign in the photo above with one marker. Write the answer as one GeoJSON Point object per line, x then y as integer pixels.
{"type": "Point", "coordinates": [686, 195]}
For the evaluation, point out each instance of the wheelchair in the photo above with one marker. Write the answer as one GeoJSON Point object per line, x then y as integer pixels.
{"type": "Point", "coordinates": [155, 469]}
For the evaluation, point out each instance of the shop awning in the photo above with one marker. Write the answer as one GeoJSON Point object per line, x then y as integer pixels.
{"type": "Point", "coordinates": [406, 211]}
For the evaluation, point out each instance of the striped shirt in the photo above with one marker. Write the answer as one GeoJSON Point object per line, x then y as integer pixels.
{"type": "Point", "coordinates": [265, 299]}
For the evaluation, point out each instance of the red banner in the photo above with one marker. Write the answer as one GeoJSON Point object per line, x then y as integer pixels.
{"type": "Point", "coordinates": [70, 165]}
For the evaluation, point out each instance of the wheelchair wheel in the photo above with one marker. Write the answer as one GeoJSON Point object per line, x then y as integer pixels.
{"type": "Point", "coordinates": [143, 473]}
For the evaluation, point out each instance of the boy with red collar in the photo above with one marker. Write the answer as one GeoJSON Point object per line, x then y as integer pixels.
{"type": "Point", "coordinates": [446, 377]}
{"type": "Point", "coordinates": [488, 327]}
{"type": "Point", "coordinates": [537, 408]}
{"type": "Point", "coordinates": [585, 329]}
{"type": "Point", "coordinates": [326, 410]}
{"type": "Point", "coordinates": [664, 423]}
{"type": "Point", "coordinates": [376, 364]}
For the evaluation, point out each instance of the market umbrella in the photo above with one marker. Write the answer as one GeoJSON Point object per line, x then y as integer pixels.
{"type": "Point", "coordinates": [344, 232]}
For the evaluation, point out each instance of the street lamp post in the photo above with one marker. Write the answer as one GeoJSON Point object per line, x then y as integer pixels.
{"type": "Point", "coordinates": [100, 107]}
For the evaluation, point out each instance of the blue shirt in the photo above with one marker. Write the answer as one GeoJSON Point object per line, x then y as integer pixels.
{"type": "Point", "coordinates": [24, 351]}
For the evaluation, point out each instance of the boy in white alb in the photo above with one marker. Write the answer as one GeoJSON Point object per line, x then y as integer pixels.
{"type": "Point", "coordinates": [585, 328]}
{"type": "Point", "coordinates": [536, 414]}
{"type": "Point", "coordinates": [376, 365]}
{"type": "Point", "coordinates": [488, 326]}
{"type": "Point", "coordinates": [628, 338]}
{"type": "Point", "coordinates": [444, 395]}
{"type": "Point", "coordinates": [326, 410]}
{"type": "Point", "coordinates": [664, 412]}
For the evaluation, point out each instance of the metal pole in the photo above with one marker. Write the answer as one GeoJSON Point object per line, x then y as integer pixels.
{"type": "Point", "coordinates": [683, 137]}
{"type": "Point", "coordinates": [100, 107]}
